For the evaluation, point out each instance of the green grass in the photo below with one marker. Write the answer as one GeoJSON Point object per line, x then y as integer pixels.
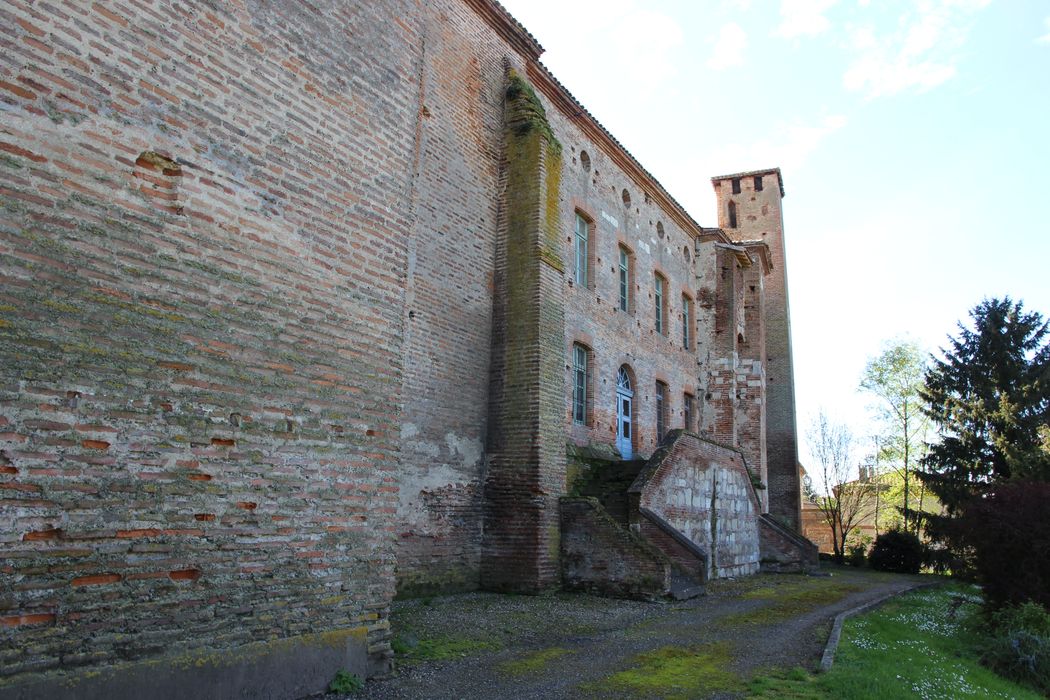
{"type": "Point", "coordinates": [788, 600]}
{"type": "Point", "coordinates": [533, 663]}
{"type": "Point", "coordinates": [439, 649]}
{"type": "Point", "coordinates": [915, 646]}
{"type": "Point", "coordinates": [674, 672]}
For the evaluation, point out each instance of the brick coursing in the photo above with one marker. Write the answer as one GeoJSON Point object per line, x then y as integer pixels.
{"type": "Point", "coordinates": [760, 217]}
{"type": "Point", "coordinates": [201, 396]}
{"type": "Point", "coordinates": [286, 319]}
{"type": "Point", "coordinates": [599, 556]}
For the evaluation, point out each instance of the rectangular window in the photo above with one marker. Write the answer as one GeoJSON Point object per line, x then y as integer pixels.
{"type": "Point", "coordinates": [689, 411]}
{"type": "Point", "coordinates": [661, 408]}
{"type": "Point", "coordinates": [625, 278]}
{"type": "Point", "coordinates": [758, 183]}
{"type": "Point", "coordinates": [579, 385]}
{"type": "Point", "coordinates": [736, 185]}
{"type": "Point", "coordinates": [686, 316]}
{"type": "Point", "coordinates": [582, 243]}
{"type": "Point", "coordinates": [659, 298]}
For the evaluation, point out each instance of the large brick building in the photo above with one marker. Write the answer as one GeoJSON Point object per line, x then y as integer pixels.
{"type": "Point", "coordinates": [302, 305]}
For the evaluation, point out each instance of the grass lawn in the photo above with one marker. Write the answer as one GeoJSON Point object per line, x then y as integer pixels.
{"type": "Point", "coordinates": [915, 646]}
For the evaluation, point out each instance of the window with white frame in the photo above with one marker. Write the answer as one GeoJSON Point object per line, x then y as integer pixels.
{"type": "Point", "coordinates": [625, 279]}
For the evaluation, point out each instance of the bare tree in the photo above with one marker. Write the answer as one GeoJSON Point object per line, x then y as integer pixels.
{"type": "Point", "coordinates": [845, 501]}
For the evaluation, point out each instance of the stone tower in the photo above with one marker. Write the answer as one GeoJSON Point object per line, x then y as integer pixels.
{"type": "Point", "coordinates": [749, 209]}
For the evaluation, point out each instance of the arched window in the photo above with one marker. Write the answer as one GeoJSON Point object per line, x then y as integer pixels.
{"type": "Point", "coordinates": [624, 413]}
{"type": "Point", "coordinates": [732, 215]}
{"type": "Point", "coordinates": [623, 379]}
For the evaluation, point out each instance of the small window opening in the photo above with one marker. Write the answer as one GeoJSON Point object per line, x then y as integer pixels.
{"type": "Point", "coordinates": [687, 314]}
{"type": "Point", "coordinates": [625, 279]}
{"type": "Point", "coordinates": [736, 185]}
{"type": "Point", "coordinates": [661, 410]}
{"type": "Point", "coordinates": [626, 198]}
{"type": "Point", "coordinates": [585, 161]}
{"type": "Point", "coordinates": [660, 229]}
{"type": "Point", "coordinates": [758, 183]}
{"type": "Point", "coordinates": [581, 250]}
{"type": "Point", "coordinates": [732, 215]}
{"type": "Point", "coordinates": [581, 377]}
{"type": "Point", "coordinates": [660, 309]}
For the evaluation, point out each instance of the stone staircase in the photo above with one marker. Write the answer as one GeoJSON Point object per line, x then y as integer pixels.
{"type": "Point", "coordinates": [608, 482]}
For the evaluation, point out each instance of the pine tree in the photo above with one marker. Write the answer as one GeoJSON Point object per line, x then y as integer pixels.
{"type": "Point", "coordinates": [990, 398]}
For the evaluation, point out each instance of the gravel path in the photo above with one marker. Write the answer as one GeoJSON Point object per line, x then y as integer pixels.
{"type": "Point", "coordinates": [483, 645]}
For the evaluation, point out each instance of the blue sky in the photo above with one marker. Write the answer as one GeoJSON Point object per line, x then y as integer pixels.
{"type": "Point", "coordinates": [914, 139]}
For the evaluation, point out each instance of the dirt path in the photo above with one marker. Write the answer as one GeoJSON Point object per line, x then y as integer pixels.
{"type": "Point", "coordinates": [483, 646]}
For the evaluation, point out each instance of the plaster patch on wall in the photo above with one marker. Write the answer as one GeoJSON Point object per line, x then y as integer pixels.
{"type": "Point", "coordinates": [468, 449]}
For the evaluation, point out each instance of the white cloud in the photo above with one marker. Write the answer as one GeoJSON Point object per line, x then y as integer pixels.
{"type": "Point", "coordinates": [729, 47]}
{"type": "Point", "coordinates": [1045, 39]}
{"type": "Point", "coordinates": [919, 54]}
{"type": "Point", "coordinates": [803, 18]}
{"type": "Point", "coordinates": [788, 146]}
{"type": "Point", "coordinates": [645, 42]}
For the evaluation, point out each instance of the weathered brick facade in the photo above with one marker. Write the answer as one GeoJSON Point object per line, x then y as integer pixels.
{"type": "Point", "coordinates": [288, 305]}
{"type": "Point", "coordinates": [749, 209]}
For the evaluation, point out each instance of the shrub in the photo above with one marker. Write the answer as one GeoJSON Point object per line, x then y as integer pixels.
{"type": "Point", "coordinates": [346, 683]}
{"type": "Point", "coordinates": [1018, 644]}
{"type": "Point", "coordinates": [857, 551]}
{"type": "Point", "coordinates": [1009, 533]}
{"type": "Point", "coordinates": [897, 551]}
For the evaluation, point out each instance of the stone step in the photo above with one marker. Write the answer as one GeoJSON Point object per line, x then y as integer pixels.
{"type": "Point", "coordinates": [685, 587]}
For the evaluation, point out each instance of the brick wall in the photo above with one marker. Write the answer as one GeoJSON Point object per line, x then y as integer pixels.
{"type": "Point", "coordinates": [784, 549]}
{"type": "Point", "coordinates": [202, 284]}
{"type": "Point", "coordinates": [760, 217]}
{"type": "Point", "coordinates": [527, 466]}
{"type": "Point", "coordinates": [593, 317]}
{"type": "Point", "coordinates": [449, 295]}
{"type": "Point", "coordinates": [600, 556]}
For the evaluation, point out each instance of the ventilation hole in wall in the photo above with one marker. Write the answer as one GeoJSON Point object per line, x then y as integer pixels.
{"type": "Point", "coordinates": [159, 179]}
{"type": "Point", "coordinates": [660, 229]}
{"type": "Point", "coordinates": [585, 161]}
{"type": "Point", "coordinates": [648, 199]}
{"type": "Point", "coordinates": [626, 198]}
{"type": "Point", "coordinates": [235, 419]}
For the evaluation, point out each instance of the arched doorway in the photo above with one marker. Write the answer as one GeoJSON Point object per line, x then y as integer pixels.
{"type": "Point", "coordinates": [624, 412]}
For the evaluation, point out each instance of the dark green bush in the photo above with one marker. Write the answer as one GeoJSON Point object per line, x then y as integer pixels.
{"type": "Point", "coordinates": [857, 551]}
{"type": "Point", "coordinates": [1008, 530]}
{"type": "Point", "coordinates": [897, 551]}
{"type": "Point", "coordinates": [1018, 644]}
